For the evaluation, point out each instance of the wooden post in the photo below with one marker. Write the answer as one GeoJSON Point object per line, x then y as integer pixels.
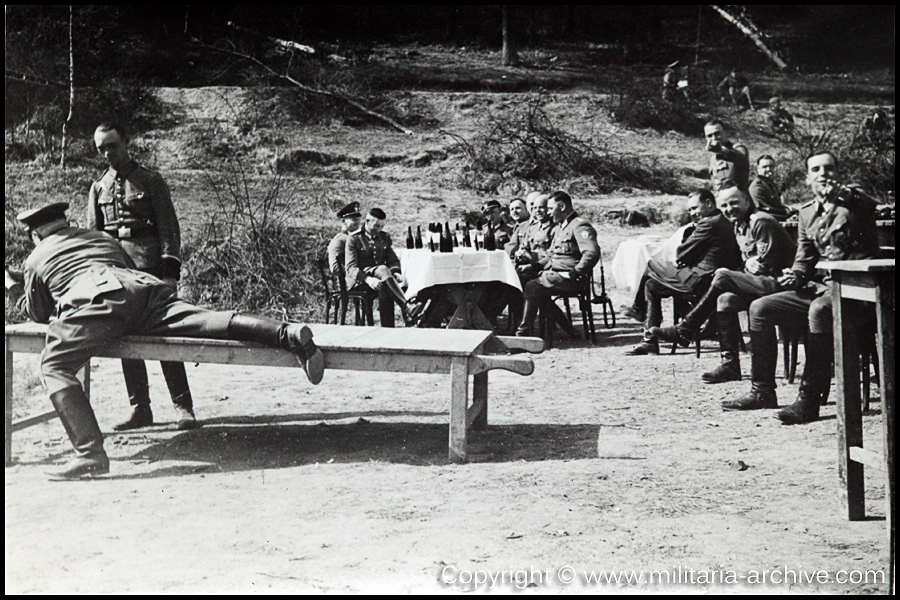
{"type": "Point", "coordinates": [480, 396]}
{"type": "Point", "coordinates": [849, 412]}
{"type": "Point", "coordinates": [884, 301]}
{"type": "Point", "coordinates": [459, 400]}
{"type": "Point", "coordinates": [9, 401]}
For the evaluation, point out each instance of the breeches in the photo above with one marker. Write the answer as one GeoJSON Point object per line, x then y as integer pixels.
{"type": "Point", "coordinates": [810, 304]}
{"type": "Point", "coordinates": [142, 307]}
{"type": "Point", "coordinates": [548, 283]}
{"type": "Point", "coordinates": [737, 289]}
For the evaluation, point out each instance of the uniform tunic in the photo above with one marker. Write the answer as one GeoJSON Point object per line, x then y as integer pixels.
{"type": "Point", "coordinates": [574, 250]}
{"type": "Point", "coordinates": [767, 198]}
{"type": "Point", "coordinates": [733, 163]}
{"type": "Point", "coordinates": [135, 207]}
{"type": "Point", "coordinates": [365, 253]}
{"type": "Point", "coordinates": [83, 283]}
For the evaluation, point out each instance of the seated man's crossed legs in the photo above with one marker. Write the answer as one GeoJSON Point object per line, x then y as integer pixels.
{"type": "Point", "coordinates": [382, 280]}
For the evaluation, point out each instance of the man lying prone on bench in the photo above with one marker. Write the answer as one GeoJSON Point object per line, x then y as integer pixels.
{"type": "Point", "coordinates": [86, 282]}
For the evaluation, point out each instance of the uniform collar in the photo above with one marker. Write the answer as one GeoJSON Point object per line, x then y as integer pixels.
{"type": "Point", "coordinates": [127, 170]}
{"type": "Point", "coordinates": [569, 217]}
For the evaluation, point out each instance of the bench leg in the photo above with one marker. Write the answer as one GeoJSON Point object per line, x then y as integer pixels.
{"type": "Point", "coordinates": [480, 397]}
{"type": "Point", "coordinates": [9, 403]}
{"type": "Point", "coordinates": [886, 338]}
{"type": "Point", "coordinates": [459, 400]}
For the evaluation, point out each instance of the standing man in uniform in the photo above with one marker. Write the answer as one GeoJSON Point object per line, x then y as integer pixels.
{"type": "Point", "coordinates": [710, 246]}
{"type": "Point", "coordinates": [494, 214]}
{"type": "Point", "coordinates": [838, 224]}
{"type": "Point", "coordinates": [132, 204]}
{"type": "Point", "coordinates": [574, 253]}
{"type": "Point", "coordinates": [85, 286]}
{"type": "Point", "coordinates": [728, 160]}
{"type": "Point", "coordinates": [767, 250]}
{"type": "Point", "coordinates": [351, 219]}
{"type": "Point", "coordinates": [371, 261]}
{"type": "Point", "coordinates": [764, 192]}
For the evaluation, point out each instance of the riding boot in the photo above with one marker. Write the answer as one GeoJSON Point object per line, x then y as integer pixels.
{"type": "Point", "coordinates": [814, 383]}
{"type": "Point", "coordinates": [81, 426]}
{"type": "Point", "coordinates": [176, 380]}
{"type": "Point", "coordinates": [762, 372]}
{"type": "Point", "coordinates": [138, 388]}
{"type": "Point", "coordinates": [296, 339]}
{"type": "Point", "coordinates": [705, 308]}
{"type": "Point", "coordinates": [529, 312]}
{"type": "Point", "coordinates": [729, 330]}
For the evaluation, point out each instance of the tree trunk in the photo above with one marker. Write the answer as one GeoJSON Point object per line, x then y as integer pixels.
{"type": "Point", "coordinates": [62, 156]}
{"type": "Point", "coordinates": [749, 33]}
{"type": "Point", "coordinates": [510, 55]}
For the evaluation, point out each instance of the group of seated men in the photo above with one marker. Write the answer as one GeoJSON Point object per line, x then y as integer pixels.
{"type": "Point", "coordinates": [736, 258]}
{"type": "Point", "coordinates": [553, 249]}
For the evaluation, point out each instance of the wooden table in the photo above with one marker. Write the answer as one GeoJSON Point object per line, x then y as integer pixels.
{"type": "Point", "coordinates": [459, 353]}
{"type": "Point", "coordinates": [867, 281]}
{"type": "Point", "coordinates": [457, 282]}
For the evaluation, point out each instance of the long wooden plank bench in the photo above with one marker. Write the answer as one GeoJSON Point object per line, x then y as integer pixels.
{"type": "Point", "coordinates": [459, 353]}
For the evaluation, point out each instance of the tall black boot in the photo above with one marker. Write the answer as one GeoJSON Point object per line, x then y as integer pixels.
{"type": "Point", "coordinates": [815, 381]}
{"type": "Point", "coordinates": [729, 330]}
{"type": "Point", "coordinates": [762, 372]}
{"type": "Point", "coordinates": [80, 423]}
{"type": "Point", "coordinates": [529, 312]}
{"type": "Point", "coordinates": [702, 311]}
{"type": "Point", "coordinates": [138, 388]}
{"type": "Point", "coordinates": [176, 380]}
{"type": "Point", "coordinates": [296, 339]}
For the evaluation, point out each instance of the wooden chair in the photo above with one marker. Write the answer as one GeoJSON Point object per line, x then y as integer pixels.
{"type": "Point", "coordinates": [600, 297]}
{"type": "Point", "coordinates": [338, 297]}
{"type": "Point", "coordinates": [584, 305]}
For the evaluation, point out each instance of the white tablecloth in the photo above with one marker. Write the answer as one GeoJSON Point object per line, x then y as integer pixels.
{"type": "Point", "coordinates": [423, 268]}
{"type": "Point", "coordinates": [632, 256]}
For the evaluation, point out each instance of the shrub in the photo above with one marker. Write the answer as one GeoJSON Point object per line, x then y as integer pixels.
{"type": "Point", "coordinates": [526, 145]}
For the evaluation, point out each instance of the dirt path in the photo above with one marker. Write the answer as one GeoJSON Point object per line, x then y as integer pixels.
{"type": "Point", "coordinates": [596, 462]}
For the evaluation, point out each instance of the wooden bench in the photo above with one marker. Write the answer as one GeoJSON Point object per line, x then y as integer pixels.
{"type": "Point", "coordinates": [460, 353]}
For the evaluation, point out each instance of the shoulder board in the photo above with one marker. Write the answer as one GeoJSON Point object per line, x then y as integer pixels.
{"type": "Point", "coordinates": [810, 203]}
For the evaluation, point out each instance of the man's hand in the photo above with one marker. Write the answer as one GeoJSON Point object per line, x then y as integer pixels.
{"type": "Point", "coordinates": [713, 147]}
{"type": "Point", "coordinates": [753, 266]}
{"type": "Point", "coordinates": [374, 283]}
{"type": "Point", "coordinates": [400, 279]}
{"type": "Point", "coordinates": [789, 280]}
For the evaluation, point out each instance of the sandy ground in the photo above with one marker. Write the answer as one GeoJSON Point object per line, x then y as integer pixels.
{"type": "Point", "coordinates": [598, 465]}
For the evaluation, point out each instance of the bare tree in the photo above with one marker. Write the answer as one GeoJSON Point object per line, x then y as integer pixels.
{"type": "Point", "coordinates": [65, 128]}
{"type": "Point", "coordinates": [510, 54]}
{"type": "Point", "coordinates": [748, 28]}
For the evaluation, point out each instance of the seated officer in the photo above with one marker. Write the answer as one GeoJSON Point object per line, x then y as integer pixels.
{"type": "Point", "coordinates": [573, 254]}
{"type": "Point", "coordinates": [493, 212]}
{"type": "Point", "coordinates": [764, 192]}
{"type": "Point", "coordinates": [767, 249]}
{"type": "Point", "coordinates": [710, 246]}
{"type": "Point", "coordinates": [371, 262]}
{"type": "Point", "coordinates": [780, 121]}
{"type": "Point", "coordinates": [86, 287]}
{"type": "Point", "coordinates": [838, 224]}
{"type": "Point", "coordinates": [351, 219]}
{"type": "Point", "coordinates": [530, 243]}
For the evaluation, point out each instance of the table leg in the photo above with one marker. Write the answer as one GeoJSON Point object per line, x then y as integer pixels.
{"type": "Point", "coordinates": [459, 400]}
{"type": "Point", "coordinates": [480, 396]}
{"type": "Point", "coordinates": [886, 335]}
{"type": "Point", "coordinates": [9, 404]}
{"type": "Point", "coordinates": [849, 412]}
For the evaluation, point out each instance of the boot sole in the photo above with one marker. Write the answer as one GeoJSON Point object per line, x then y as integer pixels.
{"type": "Point", "coordinates": [314, 365]}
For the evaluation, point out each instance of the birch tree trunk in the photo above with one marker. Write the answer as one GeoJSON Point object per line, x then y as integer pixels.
{"type": "Point", "coordinates": [510, 55]}
{"type": "Point", "coordinates": [62, 154]}
{"type": "Point", "coordinates": [749, 33]}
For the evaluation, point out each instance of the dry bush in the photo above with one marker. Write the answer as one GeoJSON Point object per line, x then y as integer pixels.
{"type": "Point", "coordinates": [863, 159]}
{"type": "Point", "coordinates": [639, 104]}
{"type": "Point", "coordinates": [526, 145]}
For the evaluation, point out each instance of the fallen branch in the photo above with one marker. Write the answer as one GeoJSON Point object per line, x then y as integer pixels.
{"type": "Point", "coordinates": [337, 96]}
{"type": "Point", "coordinates": [749, 33]}
{"type": "Point", "coordinates": [287, 44]}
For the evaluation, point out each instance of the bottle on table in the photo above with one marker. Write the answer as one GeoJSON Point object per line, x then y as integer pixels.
{"type": "Point", "coordinates": [418, 236]}
{"type": "Point", "coordinates": [467, 238]}
{"type": "Point", "coordinates": [490, 242]}
{"type": "Point", "coordinates": [410, 242]}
